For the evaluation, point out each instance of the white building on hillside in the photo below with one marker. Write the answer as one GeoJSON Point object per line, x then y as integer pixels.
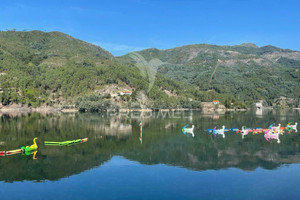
{"type": "Point", "coordinates": [125, 92]}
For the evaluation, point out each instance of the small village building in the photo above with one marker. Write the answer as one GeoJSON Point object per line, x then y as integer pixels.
{"type": "Point", "coordinates": [259, 105]}
{"type": "Point", "coordinates": [216, 102]}
{"type": "Point", "coordinates": [125, 92]}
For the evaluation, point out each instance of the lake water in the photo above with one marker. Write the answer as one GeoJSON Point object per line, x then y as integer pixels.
{"type": "Point", "coordinates": [118, 162]}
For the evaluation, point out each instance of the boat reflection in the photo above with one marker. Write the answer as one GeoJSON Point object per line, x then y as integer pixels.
{"type": "Point", "coordinates": [187, 131]}
{"type": "Point", "coordinates": [20, 152]}
{"type": "Point", "coordinates": [141, 132]}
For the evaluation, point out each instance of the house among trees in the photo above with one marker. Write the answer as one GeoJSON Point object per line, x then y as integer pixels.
{"type": "Point", "coordinates": [216, 102]}
{"type": "Point", "coordinates": [258, 105]}
{"type": "Point", "coordinates": [125, 92]}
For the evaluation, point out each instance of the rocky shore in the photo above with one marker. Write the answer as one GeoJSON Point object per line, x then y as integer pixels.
{"type": "Point", "coordinates": [20, 109]}
{"type": "Point", "coordinates": [17, 108]}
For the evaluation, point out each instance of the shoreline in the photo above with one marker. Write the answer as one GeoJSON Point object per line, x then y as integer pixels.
{"type": "Point", "coordinates": [18, 109]}
{"type": "Point", "coordinates": [42, 109]}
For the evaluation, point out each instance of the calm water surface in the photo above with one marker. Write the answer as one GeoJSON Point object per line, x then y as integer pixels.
{"type": "Point", "coordinates": [163, 163]}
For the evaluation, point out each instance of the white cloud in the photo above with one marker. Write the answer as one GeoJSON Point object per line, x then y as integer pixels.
{"type": "Point", "coordinates": [118, 49]}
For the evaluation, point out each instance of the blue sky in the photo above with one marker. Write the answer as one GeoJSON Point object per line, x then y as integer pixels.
{"type": "Point", "coordinates": [129, 25]}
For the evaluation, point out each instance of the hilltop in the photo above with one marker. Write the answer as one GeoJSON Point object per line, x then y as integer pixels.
{"type": "Point", "coordinates": [52, 48]}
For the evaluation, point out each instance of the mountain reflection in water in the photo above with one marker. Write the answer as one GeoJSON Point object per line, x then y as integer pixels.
{"type": "Point", "coordinates": [162, 142]}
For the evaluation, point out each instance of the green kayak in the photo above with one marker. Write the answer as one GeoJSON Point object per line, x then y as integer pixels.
{"type": "Point", "coordinates": [65, 143]}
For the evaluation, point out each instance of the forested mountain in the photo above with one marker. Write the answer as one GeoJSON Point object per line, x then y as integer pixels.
{"type": "Point", "coordinates": [245, 72]}
{"type": "Point", "coordinates": [51, 68]}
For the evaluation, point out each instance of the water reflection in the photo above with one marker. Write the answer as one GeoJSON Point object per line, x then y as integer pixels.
{"type": "Point", "coordinates": [141, 132]}
{"type": "Point", "coordinates": [20, 152]}
{"type": "Point", "coordinates": [160, 135]}
{"type": "Point", "coordinates": [259, 112]}
{"type": "Point", "coordinates": [188, 131]}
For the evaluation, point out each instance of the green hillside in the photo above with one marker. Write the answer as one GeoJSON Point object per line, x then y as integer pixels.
{"type": "Point", "coordinates": [51, 68]}
{"type": "Point", "coordinates": [244, 73]}
{"type": "Point", "coordinates": [40, 68]}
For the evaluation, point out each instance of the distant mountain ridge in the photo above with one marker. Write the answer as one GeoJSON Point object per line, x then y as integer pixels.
{"type": "Point", "coordinates": [190, 52]}
{"type": "Point", "coordinates": [246, 72]}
